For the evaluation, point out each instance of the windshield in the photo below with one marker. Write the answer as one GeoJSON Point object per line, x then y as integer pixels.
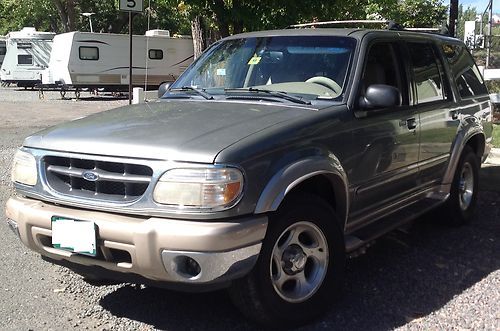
{"type": "Point", "coordinates": [309, 66]}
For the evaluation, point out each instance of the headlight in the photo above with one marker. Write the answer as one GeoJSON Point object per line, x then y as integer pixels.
{"type": "Point", "coordinates": [24, 168]}
{"type": "Point", "coordinates": [199, 188]}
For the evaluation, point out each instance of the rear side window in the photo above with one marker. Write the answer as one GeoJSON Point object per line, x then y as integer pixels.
{"type": "Point", "coordinates": [465, 72]}
{"type": "Point", "coordinates": [25, 59]}
{"type": "Point", "coordinates": [426, 73]}
{"type": "Point", "coordinates": [88, 53]}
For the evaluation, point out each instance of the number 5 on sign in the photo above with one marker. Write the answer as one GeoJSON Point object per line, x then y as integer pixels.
{"type": "Point", "coordinates": [132, 5]}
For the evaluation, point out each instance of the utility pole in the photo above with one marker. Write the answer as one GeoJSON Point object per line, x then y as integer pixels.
{"type": "Point", "coordinates": [453, 17]}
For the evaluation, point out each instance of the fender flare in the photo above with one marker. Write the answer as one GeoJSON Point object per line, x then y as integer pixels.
{"type": "Point", "coordinates": [467, 131]}
{"type": "Point", "coordinates": [293, 174]}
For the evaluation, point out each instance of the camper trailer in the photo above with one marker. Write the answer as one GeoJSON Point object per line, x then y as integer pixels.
{"type": "Point", "coordinates": [3, 49]}
{"type": "Point", "coordinates": [101, 60]}
{"type": "Point", "coordinates": [28, 53]}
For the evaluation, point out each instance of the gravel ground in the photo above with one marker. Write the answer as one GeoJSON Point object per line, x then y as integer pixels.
{"type": "Point", "coordinates": [428, 277]}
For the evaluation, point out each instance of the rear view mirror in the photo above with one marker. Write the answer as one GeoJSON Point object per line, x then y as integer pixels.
{"type": "Point", "coordinates": [380, 96]}
{"type": "Point", "coordinates": [164, 87]}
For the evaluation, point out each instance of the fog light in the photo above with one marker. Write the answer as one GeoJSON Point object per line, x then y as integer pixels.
{"type": "Point", "coordinates": [186, 266]}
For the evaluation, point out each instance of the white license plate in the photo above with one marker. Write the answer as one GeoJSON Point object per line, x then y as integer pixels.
{"type": "Point", "coordinates": [74, 235]}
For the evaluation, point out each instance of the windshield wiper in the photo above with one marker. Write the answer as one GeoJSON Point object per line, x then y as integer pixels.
{"type": "Point", "coordinates": [278, 94]}
{"type": "Point", "coordinates": [194, 89]}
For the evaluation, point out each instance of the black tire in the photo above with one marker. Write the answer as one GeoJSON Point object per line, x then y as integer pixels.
{"type": "Point", "coordinates": [460, 206]}
{"type": "Point", "coordinates": [256, 295]}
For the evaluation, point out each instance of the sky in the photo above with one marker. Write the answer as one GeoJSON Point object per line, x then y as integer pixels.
{"type": "Point", "coordinates": [480, 4]}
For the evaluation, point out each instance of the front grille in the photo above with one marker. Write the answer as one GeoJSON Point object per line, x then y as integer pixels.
{"type": "Point", "coordinates": [101, 180]}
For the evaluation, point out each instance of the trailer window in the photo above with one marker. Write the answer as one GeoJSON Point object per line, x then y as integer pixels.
{"type": "Point", "coordinates": [25, 59]}
{"type": "Point", "coordinates": [155, 54]}
{"type": "Point", "coordinates": [89, 53]}
{"type": "Point", "coordinates": [3, 50]}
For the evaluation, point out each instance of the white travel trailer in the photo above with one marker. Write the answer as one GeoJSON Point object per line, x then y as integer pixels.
{"type": "Point", "coordinates": [101, 60]}
{"type": "Point", "coordinates": [28, 53]}
{"type": "Point", "coordinates": [3, 49]}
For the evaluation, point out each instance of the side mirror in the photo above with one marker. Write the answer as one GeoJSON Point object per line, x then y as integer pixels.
{"type": "Point", "coordinates": [380, 96]}
{"type": "Point", "coordinates": [164, 87]}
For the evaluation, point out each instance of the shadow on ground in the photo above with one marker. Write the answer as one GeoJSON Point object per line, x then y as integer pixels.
{"type": "Point", "coordinates": [406, 275]}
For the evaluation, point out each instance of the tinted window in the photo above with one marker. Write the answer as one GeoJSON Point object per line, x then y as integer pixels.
{"type": "Point", "coordinates": [89, 53]}
{"type": "Point", "coordinates": [428, 80]}
{"type": "Point", "coordinates": [155, 54]}
{"type": "Point", "coordinates": [467, 77]}
{"type": "Point", "coordinates": [382, 67]}
{"type": "Point", "coordinates": [24, 59]}
{"type": "Point", "coordinates": [3, 50]}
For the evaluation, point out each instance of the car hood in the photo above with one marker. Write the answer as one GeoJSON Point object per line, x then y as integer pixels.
{"type": "Point", "coordinates": [191, 131]}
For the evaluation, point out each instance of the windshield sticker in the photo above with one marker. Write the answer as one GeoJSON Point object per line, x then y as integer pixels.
{"type": "Point", "coordinates": [254, 60]}
{"type": "Point", "coordinates": [221, 72]}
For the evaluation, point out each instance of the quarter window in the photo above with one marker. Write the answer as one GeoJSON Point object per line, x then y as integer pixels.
{"type": "Point", "coordinates": [89, 53]}
{"type": "Point", "coordinates": [427, 76]}
{"type": "Point", "coordinates": [26, 59]}
{"type": "Point", "coordinates": [155, 54]}
{"type": "Point", "coordinates": [465, 72]}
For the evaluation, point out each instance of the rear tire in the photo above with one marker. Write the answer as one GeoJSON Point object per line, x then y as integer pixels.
{"type": "Point", "coordinates": [300, 268]}
{"type": "Point", "coordinates": [460, 207]}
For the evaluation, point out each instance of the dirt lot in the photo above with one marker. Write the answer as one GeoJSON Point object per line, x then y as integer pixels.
{"type": "Point", "coordinates": [427, 278]}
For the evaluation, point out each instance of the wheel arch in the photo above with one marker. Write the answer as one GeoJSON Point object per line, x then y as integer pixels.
{"type": "Point", "coordinates": [324, 178]}
{"type": "Point", "coordinates": [473, 137]}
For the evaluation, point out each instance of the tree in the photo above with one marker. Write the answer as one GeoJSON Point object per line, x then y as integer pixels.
{"type": "Point", "coordinates": [409, 13]}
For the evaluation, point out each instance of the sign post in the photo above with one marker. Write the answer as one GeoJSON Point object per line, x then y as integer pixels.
{"type": "Point", "coordinates": [131, 6]}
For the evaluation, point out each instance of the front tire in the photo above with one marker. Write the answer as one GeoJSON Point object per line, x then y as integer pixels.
{"type": "Point", "coordinates": [300, 268]}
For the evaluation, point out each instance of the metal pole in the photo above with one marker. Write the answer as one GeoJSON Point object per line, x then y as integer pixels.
{"type": "Point", "coordinates": [130, 59]}
{"type": "Point", "coordinates": [490, 19]}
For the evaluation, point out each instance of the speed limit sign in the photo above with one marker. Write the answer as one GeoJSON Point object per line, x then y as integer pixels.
{"type": "Point", "coordinates": [132, 5]}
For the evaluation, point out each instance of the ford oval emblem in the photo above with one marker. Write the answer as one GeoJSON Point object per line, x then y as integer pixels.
{"type": "Point", "coordinates": [90, 176]}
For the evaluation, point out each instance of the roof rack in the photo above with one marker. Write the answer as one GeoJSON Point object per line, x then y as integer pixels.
{"type": "Point", "coordinates": [391, 25]}
{"type": "Point", "coordinates": [305, 25]}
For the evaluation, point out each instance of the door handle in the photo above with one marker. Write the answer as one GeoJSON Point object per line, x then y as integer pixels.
{"type": "Point", "coordinates": [411, 123]}
{"type": "Point", "coordinates": [454, 115]}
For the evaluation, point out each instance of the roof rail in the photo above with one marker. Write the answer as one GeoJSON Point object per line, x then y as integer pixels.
{"type": "Point", "coordinates": [305, 25]}
{"type": "Point", "coordinates": [391, 25]}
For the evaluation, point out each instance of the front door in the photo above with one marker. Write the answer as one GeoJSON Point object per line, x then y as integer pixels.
{"type": "Point", "coordinates": [386, 165]}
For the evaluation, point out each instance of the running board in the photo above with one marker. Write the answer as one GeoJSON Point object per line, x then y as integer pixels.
{"type": "Point", "coordinates": [357, 242]}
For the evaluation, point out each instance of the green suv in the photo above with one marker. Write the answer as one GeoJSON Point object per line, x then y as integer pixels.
{"type": "Point", "coordinates": [275, 156]}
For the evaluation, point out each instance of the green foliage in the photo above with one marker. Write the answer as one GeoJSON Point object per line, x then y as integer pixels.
{"type": "Point", "coordinates": [43, 15]}
{"type": "Point", "coordinates": [222, 16]}
{"type": "Point", "coordinates": [409, 13]}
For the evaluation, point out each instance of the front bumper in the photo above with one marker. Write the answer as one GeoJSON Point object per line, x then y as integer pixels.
{"type": "Point", "coordinates": [152, 247]}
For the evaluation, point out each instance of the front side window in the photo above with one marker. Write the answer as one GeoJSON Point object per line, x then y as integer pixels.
{"type": "Point", "coordinates": [382, 67]}
{"type": "Point", "coordinates": [155, 54]}
{"type": "Point", "coordinates": [88, 53]}
{"type": "Point", "coordinates": [25, 59]}
{"type": "Point", "coordinates": [465, 72]}
{"type": "Point", "coordinates": [312, 66]}
{"type": "Point", "coordinates": [426, 73]}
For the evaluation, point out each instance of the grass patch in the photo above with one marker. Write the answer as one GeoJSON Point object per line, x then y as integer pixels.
{"type": "Point", "coordinates": [496, 135]}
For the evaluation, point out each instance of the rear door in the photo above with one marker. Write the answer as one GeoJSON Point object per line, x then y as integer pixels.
{"type": "Point", "coordinates": [438, 113]}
